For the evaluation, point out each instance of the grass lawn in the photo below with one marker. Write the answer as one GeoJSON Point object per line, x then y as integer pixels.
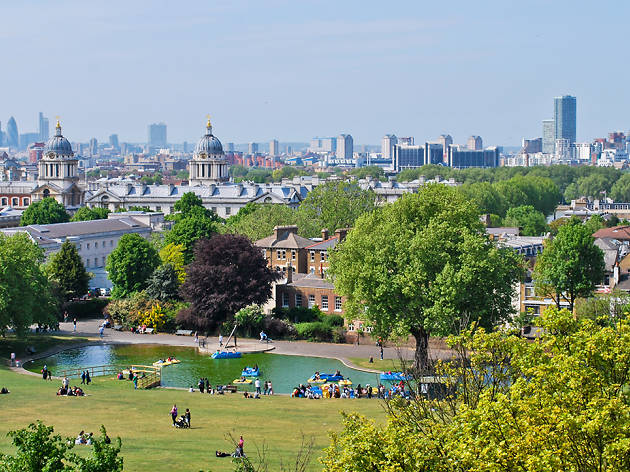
{"type": "Point", "coordinates": [141, 418]}
{"type": "Point", "coordinates": [385, 365]}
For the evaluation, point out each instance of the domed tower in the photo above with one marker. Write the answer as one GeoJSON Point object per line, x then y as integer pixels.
{"type": "Point", "coordinates": [208, 165]}
{"type": "Point", "coordinates": [59, 172]}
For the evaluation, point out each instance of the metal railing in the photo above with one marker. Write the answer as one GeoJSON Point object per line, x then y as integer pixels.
{"type": "Point", "coordinates": [148, 376]}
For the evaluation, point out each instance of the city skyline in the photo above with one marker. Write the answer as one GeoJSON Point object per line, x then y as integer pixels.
{"type": "Point", "coordinates": [281, 70]}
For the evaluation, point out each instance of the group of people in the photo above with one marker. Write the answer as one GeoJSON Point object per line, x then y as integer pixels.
{"type": "Point", "coordinates": [70, 391]}
{"type": "Point", "coordinates": [140, 329]}
{"type": "Point", "coordinates": [204, 386]}
{"type": "Point", "coordinates": [239, 452]}
{"type": "Point", "coordinates": [46, 374]}
{"type": "Point", "coordinates": [85, 439]}
{"type": "Point", "coordinates": [184, 421]}
{"type": "Point", "coordinates": [85, 377]}
{"type": "Point", "coordinates": [336, 391]}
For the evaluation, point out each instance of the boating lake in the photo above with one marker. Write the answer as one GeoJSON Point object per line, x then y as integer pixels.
{"type": "Point", "coordinates": [285, 372]}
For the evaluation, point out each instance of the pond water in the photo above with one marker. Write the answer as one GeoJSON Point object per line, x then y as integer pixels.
{"type": "Point", "coordinates": [285, 372]}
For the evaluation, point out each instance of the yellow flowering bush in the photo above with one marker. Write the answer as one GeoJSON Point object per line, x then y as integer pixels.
{"type": "Point", "coordinates": [155, 317]}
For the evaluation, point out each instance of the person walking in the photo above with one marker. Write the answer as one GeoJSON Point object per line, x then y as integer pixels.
{"type": "Point", "coordinates": [174, 413]}
{"type": "Point", "coordinates": [87, 377]}
{"type": "Point", "coordinates": [196, 337]}
{"type": "Point", "coordinates": [65, 382]}
{"type": "Point", "coordinates": [82, 376]}
{"type": "Point", "coordinates": [270, 388]}
{"type": "Point", "coordinates": [220, 340]}
{"type": "Point", "coordinates": [74, 325]}
{"type": "Point", "coordinates": [135, 381]}
{"type": "Point", "coordinates": [239, 448]}
{"type": "Point", "coordinates": [201, 384]}
{"type": "Point", "coordinates": [187, 416]}
{"type": "Point", "coordinates": [257, 384]}
{"type": "Point", "coordinates": [101, 330]}
{"type": "Point", "coordinates": [265, 388]}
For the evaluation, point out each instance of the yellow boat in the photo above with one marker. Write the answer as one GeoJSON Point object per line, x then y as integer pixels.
{"type": "Point", "coordinates": [165, 363]}
{"type": "Point", "coordinates": [345, 382]}
{"type": "Point", "coordinates": [242, 381]}
{"type": "Point", "coordinates": [317, 381]}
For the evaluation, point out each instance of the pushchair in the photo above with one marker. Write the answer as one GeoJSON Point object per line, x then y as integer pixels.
{"type": "Point", "coordinates": [182, 422]}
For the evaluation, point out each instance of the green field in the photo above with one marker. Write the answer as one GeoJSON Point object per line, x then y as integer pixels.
{"type": "Point", "coordinates": [150, 443]}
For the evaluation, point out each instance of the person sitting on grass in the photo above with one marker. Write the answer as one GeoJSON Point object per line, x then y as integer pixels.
{"type": "Point", "coordinates": [80, 438]}
{"type": "Point", "coordinates": [4, 391]}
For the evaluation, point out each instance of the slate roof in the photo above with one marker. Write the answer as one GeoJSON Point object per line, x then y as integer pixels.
{"type": "Point", "coordinates": [622, 233]}
{"type": "Point", "coordinates": [286, 240]}
{"type": "Point", "coordinates": [310, 281]}
{"type": "Point", "coordinates": [324, 245]}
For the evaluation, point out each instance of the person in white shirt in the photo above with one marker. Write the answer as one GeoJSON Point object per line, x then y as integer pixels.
{"type": "Point", "coordinates": [220, 340]}
{"type": "Point", "coordinates": [257, 384]}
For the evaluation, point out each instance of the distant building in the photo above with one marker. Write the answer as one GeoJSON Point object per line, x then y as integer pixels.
{"type": "Point", "coordinates": [563, 149]}
{"type": "Point", "coordinates": [28, 138]}
{"type": "Point", "coordinates": [475, 143]}
{"type": "Point", "coordinates": [581, 152]}
{"type": "Point", "coordinates": [408, 140]}
{"type": "Point", "coordinates": [549, 136]}
{"type": "Point", "coordinates": [13, 138]}
{"type": "Point", "coordinates": [323, 145]}
{"type": "Point", "coordinates": [273, 148]}
{"type": "Point", "coordinates": [565, 118]}
{"type": "Point", "coordinates": [532, 146]}
{"type": "Point", "coordinates": [93, 147]}
{"type": "Point", "coordinates": [229, 147]}
{"type": "Point", "coordinates": [252, 148]}
{"type": "Point", "coordinates": [44, 128]}
{"type": "Point", "coordinates": [157, 136]}
{"type": "Point", "coordinates": [464, 158]}
{"type": "Point", "coordinates": [35, 152]}
{"type": "Point", "coordinates": [387, 146]}
{"type": "Point", "coordinates": [345, 146]}
{"type": "Point", "coordinates": [445, 140]}
{"type": "Point", "coordinates": [113, 141]}
{"type": "Point", "coordinates": [411, 156]}
{"type": "Point", "coordinates": [208, 165]}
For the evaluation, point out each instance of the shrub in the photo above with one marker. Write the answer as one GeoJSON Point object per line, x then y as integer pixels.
{"type": "Point", "coordinates": [333, 320]}
{"type": "Point", "coordinates": [250, 320]}
{"type": "Point", "coordinates": [79, 309]}
{"type": "Point", "coordinates": [279, 329]}
{"type": "Point", "coordinates": [298, 314]}
{"type": "Point", "coordinates": [314, 331]}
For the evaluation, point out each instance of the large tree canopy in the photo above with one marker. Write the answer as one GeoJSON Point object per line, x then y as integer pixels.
{"type": "Point", "coordinates": [66, 269]}
{"type": "Point", "coordinates": [227, 274]}
{"type": "Point", "coordinates": [131, 264]}
{"type": "Point", "coordinates": [334, 205]}
{"type": "Point", "coordinates": [258, 220]}
{"type": "Point", "coordinates": [25, 293]}
{"type": "Point", "coordinates": [570, 265]}
{"type": "Point", "coordinates": [423, 265]}
{"type": "Point", "coordinates": [188, 230]}
{"type": "Point", "coordinates": [46, 211]}
{"type": "Point", "coordinates": [87, 214]}
{"type": "Point", "coordinates": [526, 217]}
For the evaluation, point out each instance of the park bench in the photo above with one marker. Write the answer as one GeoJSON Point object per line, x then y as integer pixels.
{"type": "Point", "coordinates": [148, 331]}
{"type": "Point", "coordinates": [184, 332]}
{"type": "Point", "coordinates": [230, 388]}
{"type": "Point", "coordinates": [118, 327]}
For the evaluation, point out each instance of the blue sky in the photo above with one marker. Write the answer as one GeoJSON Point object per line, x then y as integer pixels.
{"type": "Point", "coordinates": [292, 70]}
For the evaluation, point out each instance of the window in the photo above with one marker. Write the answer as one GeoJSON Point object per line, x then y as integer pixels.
{"type": "Point", "coordinates": [228, 210]}
{"type": "Point", "coordinates": [278, 254]}
{"type": "Point", "coordinates": [311, 301]}
{"type": "Point", "coordinates": [26, 201]}
{"type": "Point", "coordinates": [214, 209]}
{"type": "Point", "coordinates": [292, 254]}
{"type": "Point", "coordinates": [88, 246]}
{"type": "Point", "coordinates": [369, 329]}
{"type": "Point", "coordinates": [284, 254]}
{"type": "Point", "coordinates": [323, 256]}
{"type": "Point", "coordinates": [264, 253]}
{"type": "Point", "coordinates": [324, 302]}
{"type": "Point", "coordinates": [103, 262]}
{"type": "Point", "coordinates": [96, 245]}
{"type": "Point", "coordinates": [312, 256]}
{"type": "Point", "coordinates": [5, 201]}
{"type": "Point", "coordinates": [530, 291]}
{"type": "Point", "coordinates": [96, 262]}
{"type": "Point", "coordinates": [158, 208]}
{"type": "Point", "coordinates": [298, 299]}
{"type": "Point", "coordinates": [111, 242]}
{"type": "Point", "coordinates": [351, 327]}
{"type": "Point", "coordinates": [15, 202]}
{"type": "Point", "coordinates": [285, 300]}
{"type": "Point", "coordinates": [337, 303]}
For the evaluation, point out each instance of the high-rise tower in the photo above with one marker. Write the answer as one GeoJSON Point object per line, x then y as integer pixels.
{"type": "Point", "coordinates": [13, 138]}
{"type": "Point", "coordinates": [565, 118]}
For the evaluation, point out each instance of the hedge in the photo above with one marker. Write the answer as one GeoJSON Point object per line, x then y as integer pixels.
{"type": "Point", "coordinates": [80, 309]}
{"type": "Point", "coordinates": [315, 331]}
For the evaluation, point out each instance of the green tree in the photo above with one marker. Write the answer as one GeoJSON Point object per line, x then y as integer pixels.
{"type": "Point", "coordinates": [510, 405]}
{"type": "Point", "coordinates": [539, 192]}
{"type": "Point", "coordinates": [570, 265]}
{"type": "Point", "coordinates": [163, 283]}
{"type": "Point", "coordinates": [173, 254]}
{"type": "Point", "coordinates": [595, 185]}
{"type": "Point", "coordinates": [526, 217]}
{"type": "Point", "coordinates": [487, 198]}
{"type": "Point", "coordinates": [187, 202]}
{"type": "Point", "coordinates": [87, 214]}
{"type": "Point", "coordinates": [66, 269]}
{"type": "Point", "coordinates": [333, 205]}
{"type": "Point", "coordinates": [423, 266]}
{"type": "Point", "coordinates": [44, 212]}
{"type": "Point", "coordinates": [260, 223]}
{"type": "Point", "coordinates": [250, 319]}
{"type": "Point", "coordinates": [25, 293]}
{"type": "Point", "coordinates": [188, 230]}
{"type": "Point", "coordinates": [131, 264]}
{"type": "Point", "coordinates": [620, 191]}
{"type": "Point", "coordinates": [368, 171]}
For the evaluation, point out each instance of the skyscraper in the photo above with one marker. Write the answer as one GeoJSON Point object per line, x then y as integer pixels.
{"type": "Point", "coordinates": [387, 146]}
{"type": "Point", "coordinates": [113, 141]}
{"type": "Point", "coordinates": [345, 146]}
{"type": "Point", "coordinates": [157, 136]}
{"type": "Point", "coordinates": [475, 143]}
{"type": "Point", "coordinates": [229, 147]}
{"type": "Point", "coordinates": [273, 148]}
{"type": "Point", "coordinates": [13, 138]}
{"type": "Point", "coordinates": [549, 136]}
{"type": "Point", "coordinates": [252, 148]}
{"type": "Point", "coordinates": [93, 147]}
{"type": "Point", "coordinates": [565, 118]}
{"type": "Point", "coordinates": [44, 127]}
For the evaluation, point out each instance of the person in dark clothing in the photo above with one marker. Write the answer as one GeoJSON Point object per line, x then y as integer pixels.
{"type": "Point", "coordinates": [201, 385]}
{"type": "Point", "coordinates": [82, 376]}
{"type": "Point", "coordinates": [187, 415]}
{"type": "Point", "coordinates": [87, 378]}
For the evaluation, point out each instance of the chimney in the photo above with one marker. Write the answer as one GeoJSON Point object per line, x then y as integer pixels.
{"type": "Point", "coordinates": [281, 232]}
{"type": "Point", "coordinates": [340, 234]}
{"type": "Point", "coordinates": [289, 273]}
{"type": "Point", "coordinates": [325, 234]}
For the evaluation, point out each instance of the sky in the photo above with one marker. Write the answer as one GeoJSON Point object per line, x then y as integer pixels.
{"type": "Point", "coordinates": [291, 70]}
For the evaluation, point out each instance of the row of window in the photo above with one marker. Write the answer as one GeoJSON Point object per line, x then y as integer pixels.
{"type": "Point", "coordinates": [281, 254]}
{"type": "Point", "coordinates": [15, 201]}
{"type": "Point", "coordinates": [88, 262]}
{"type": "Point", "coordinates": [88, 246]}
{"type": "Point", "coordinates": [311, 301]}
{"type": "Point", "coordinates": [361, 327]}
{"type": "Point", "coordinates": [322, 256]}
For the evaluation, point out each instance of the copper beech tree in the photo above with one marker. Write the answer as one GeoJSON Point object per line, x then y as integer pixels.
{"type": "Point", "coordinates": [228, 273]}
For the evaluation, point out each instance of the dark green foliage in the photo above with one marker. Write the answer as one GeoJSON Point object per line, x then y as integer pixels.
{"type": "Point", "coordinates": [531, 222]}
{"type": "Point", "coordinates": [131, 264]}
{"type": "Point", "coordinates": [67, 271]}
{"type": "Point", "coordinates": [46, 211]}
{"type": "Point", "coordinates": [163, 283]}
{"type": "Point", "coordinates": [315, 331]}
{"type": "Point", "coordinates": [85, 309]}
{"type": "Point", "coordinates": [188, 230]}
{"type": "Point", "coordinates": [333, 320]}
{"type": "Point", "coordinates": [87, 214]}
{"type": "Point", "coordinates": [296, 314]}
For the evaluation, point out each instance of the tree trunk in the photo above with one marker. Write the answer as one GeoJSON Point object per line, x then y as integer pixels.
{"type": "Point", "coordinates": [421, 357]}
